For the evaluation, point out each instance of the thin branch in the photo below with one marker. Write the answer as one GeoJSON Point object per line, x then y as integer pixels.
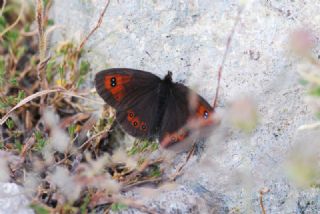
{"type": "Point", "coordinates": [96, 27]}
{"type": "Point", "coordinates": [40, 22]}
{"type": "Point", "coordinates": [262, 192]}
{"type": "Point", "coordinates": [26, 100]}
{"type": "Point", "coordinates": [139, 183]}
{"type": "Point", "coordinates": [225, 56]}
{"type": "Point", "coordinates": [86, 144]}
{"type": "Point", "coordinates": [15, 22]}
{"type": "Point", "coordinates": [4, 2]}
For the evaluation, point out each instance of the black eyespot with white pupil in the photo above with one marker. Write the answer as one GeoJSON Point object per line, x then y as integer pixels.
{"type": "Point", "coordinates": [135, 123]}
{"type": "Point", "coordinates": [131, 115]}
{"type": "Point", "coordinates": [113, 82]}
{"type": "Point", "coordinates": [205, 115]}
{"type": "Point", "coordinates": [143, 127]}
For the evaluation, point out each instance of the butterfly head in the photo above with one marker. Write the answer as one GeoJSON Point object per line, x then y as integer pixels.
{"type": "Point", "coordinates": [168, 77]}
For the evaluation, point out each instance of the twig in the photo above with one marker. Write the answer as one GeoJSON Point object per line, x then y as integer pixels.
{"type": "Point", "coordinates": [4, 2]}
{"type": "Point", "coordinates": [178, 172]}
{"type": "Point", "coordinates": [42, 42]}
{"type": "Point", "coordinates": [139, 183]}
{"type": "Point", "coordinates": [27, 146]}
{"type": "Point", "coordinates": [225, 56]}
{"type": "Point", "coordinates": [262, 192]}
{"type": "Point", "coordinates": [96, 27]}
{"type": "Point", "coordinates": [15, 22]}
{"type": "Point", "coordinates": [72, 94]}
{"type": "Point", "coordinates": [85, 144]}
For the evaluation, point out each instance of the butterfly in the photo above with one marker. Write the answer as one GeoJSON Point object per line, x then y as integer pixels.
{"type": "Point", "coordinates": [150, 107]}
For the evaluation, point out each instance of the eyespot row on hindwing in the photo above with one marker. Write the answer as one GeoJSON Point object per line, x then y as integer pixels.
{"type": "Point", "coordinates": [135, 121]}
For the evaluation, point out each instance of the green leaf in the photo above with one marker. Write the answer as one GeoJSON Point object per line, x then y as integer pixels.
{"type": "Point", "coordinates": [13, 81]}
{"type": "Point", "coordinates": [12, 36]}
{"type": "Point", "coordinates": [84, 205]}
{"type": "Point", "coordinates": [71, 130]}
{"type": "Point", "coordinates": [61, 72]}
{"type": "Point", "coordinates": [2, 71]}
{"type": "Point", "coordinates": [20, 52]}
{"type": "Point", "coordinates": [10, 123]}
{"type": "Point", "coordinates": [303, 82]}
{"type": "Point", "coordinates": [116, 207]}
{"type": "Point", "coordinates": [315, 92]}
{"type": "Point", "coordinates": [39, 209]}
{"type": "Point", "coordinates": [155, 172]}
{"type": "Point", "coordinates": [3, 23]}
{"type": "Point", "coordinates": [21, 96]}
{"type": "Point", "coordinates": [40, 141]}
{"type": "Point", "coordinates": [49, 70]}
{"type": "Point", "coordinates": [18, 145]}
{"type": "Point", "coordinates": [84, 67]}
{"type": "Point", "coordinates": [50, 22]}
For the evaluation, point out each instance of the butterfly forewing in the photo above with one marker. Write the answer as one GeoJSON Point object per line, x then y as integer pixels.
{"type": "Point", "coordinates": [116, 84]}
{"type": "Point", "coordinates": [134, 95]}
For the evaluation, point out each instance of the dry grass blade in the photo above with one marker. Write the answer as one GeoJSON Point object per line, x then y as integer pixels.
{"type": "Point", "coordinates": [225, 56]}
{"type": "Point", "coordinates": [262, 192]}
{"type": "Point", "coordinates": [86, 144]}
{"type": "Point", "coordinates": [4, 2]}
{"type": "Point", "coordinates": [96, 27]}
{"type": "Point", "coordinates": [69, 93]}
{"type": "Point", "coordinates": [26, 100]}
{"type": "Point", "coordinates": [39, 15]}
{"type": "Point", "coordinates": [155, 181]}
{"type": "Point", "coordinates": [27, 146]}
{"type": "Point", "coordinates": [15, 23]}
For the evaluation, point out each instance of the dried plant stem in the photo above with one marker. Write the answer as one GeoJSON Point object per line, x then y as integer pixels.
{"type": "Point", "coordinates": [225, 55]}
{"type": "Point", "coordinates": [139, 183]}
{"type": "Point", "coordinates": [262, 192]}
{"type": "Point", "coordinates": [178, 172]}
{"type": "Point", "coordinates": [41, 34]}
{"type": "Point", "coordinates": [85, 145]}
{"type": "Point", "coordinates": [26, 100]}
{"type": "Point", "coordinates": [96, 27]}
{"type": "Point", "coordinates": [15, 22]}
{"type": "Point", "coordinates": [4, 2]}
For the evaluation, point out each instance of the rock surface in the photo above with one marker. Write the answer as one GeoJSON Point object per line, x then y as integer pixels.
{"type": "Point", "coordinates": [12, 199]}
{"type": "Point", "coordinates": [189, 39]}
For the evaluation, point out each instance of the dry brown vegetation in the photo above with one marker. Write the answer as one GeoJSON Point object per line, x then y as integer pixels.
{"type": "Point", "coordinates": [52, 142]}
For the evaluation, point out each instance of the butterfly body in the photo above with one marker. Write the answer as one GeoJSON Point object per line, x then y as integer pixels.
{"type": "Point", "coordinates": [150, 107]}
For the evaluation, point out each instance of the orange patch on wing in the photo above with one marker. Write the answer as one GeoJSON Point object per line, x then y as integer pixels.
{"type": "Point", "coordinates": [115, 85]}
{"type": "Point", "coordinates": [203, 112]}
{"type": "Point", "coordinates": [170, 139]}
{"type": "Point", "coordinates": [135, 122]}
{"type": "Point", "coordinates": [131, 115]}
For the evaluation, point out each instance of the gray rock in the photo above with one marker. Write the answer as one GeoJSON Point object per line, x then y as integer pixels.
{"type": "Point", "coordinates": [13, 200]}
{"type": "Point", "coordinates": [188, 38]}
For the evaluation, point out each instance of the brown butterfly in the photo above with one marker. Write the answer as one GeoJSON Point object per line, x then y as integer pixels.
{"type": "Point", "coordinates": [150, 107]}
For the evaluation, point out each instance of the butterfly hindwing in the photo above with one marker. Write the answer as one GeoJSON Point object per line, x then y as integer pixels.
{"type": "Point", "coordinates": [139, 119]}
{"type": "Point", "coordinates": [183, 106]}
